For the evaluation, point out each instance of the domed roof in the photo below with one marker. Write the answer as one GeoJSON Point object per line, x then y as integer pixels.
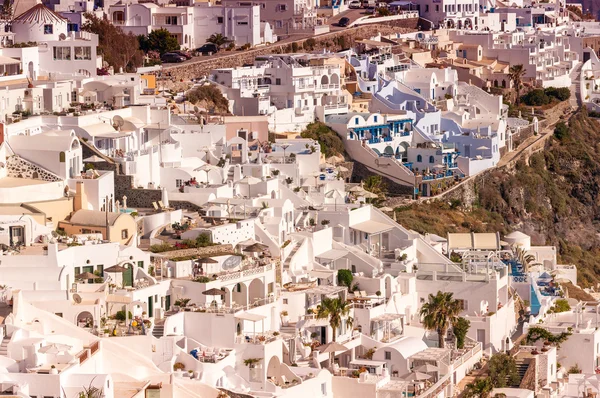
{"type": "Point", "coordinates": [39, 14]}
{"type": "Point", "coordinates": [517, 235]}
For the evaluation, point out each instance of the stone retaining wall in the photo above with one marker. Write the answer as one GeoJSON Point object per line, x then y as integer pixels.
{"type": "Point", "coordinates": [360, 172]}
{"type": "Point", "coordinates": [200, 251]}
{"type": "Point", "coordinates": [18, 167]}
{"type": "Point", "coordinates": [333, 41]}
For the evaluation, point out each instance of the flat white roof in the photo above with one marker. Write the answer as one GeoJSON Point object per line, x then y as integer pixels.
{"type": "Point", "coordinates": [249, 316]}
{"type": "Point", "coordinates": [371, 227]}
{"type": "Point", "coordinates": [333, 254]}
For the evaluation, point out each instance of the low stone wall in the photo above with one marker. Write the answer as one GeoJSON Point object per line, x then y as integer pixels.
{"type": "Point", "coordinates": [18, 167]}
{"type": "Point", "coordinates": [360, 172]}
{"type": "Point", "coordinates": [333, 41]}
{"type": "Point", "coordinates": [200, 251]}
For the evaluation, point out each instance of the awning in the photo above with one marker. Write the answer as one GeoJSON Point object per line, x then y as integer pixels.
{"type": "Point", "coordinates": [316, 322]}
{"type": "Point", "coordinates": [387, 317]}
{"type": "Point", "coordinates": [366, 362]}
{"type": "Point", "coordinates": [459, 241]}
{"type": "Point", "coordinates": [332, 254]}
{"type": "Point", "coordinates": [115, 298]}
{"type": "Point", "coordinates": [8, 60]}
{"type": "Point", "coordinates": [100, 128]}
{"type": "Point", "coordinates": [132, 123]}
{"type": "Point", "coordinates": [321, 274]}
{"type": "Point", "coordinates": [114, 134]}
{"type": "Point", "coordinates": [371, 227]}
{"type": "Point", "coordinates": [474, 241]}
{"type": "Point", "coordinates": [249, 316]}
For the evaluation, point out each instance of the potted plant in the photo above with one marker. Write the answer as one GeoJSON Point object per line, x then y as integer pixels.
{"type": "Point", "coordinates": [285, 319]}
{"type": "Point", "coordinates": [53, 370]}
{"type": "Point", "coordinates": [178, 367]}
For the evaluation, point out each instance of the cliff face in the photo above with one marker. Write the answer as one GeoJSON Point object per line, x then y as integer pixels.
{"type": "Point", "coordinates": [554, 199]}
{"type": "Point", "coordinates": [592, 5]}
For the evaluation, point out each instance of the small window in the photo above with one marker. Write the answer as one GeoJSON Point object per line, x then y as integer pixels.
{"type": "Point", "coordinates": [124, 234]}
{"type": "Point", "coordinates": [238, 288]}
{"type": "Point", "coordinates": [388, 355]}
{"type": "Point", "coordinates": [324, 388]}
{"type": "Point", "coordinates": [140, 264]}
{"type": "Point", "coordinates": [242, 23]}
{"type": "Point", "coordinates": [156, 298]}
{"type": "Point", "coordinates": [375, 119]}
{"type": "Point", "coordinates": [178, 183]}
{"type": "Point", "coordinates": [431, 159]}
{"type": "Point", "coordinates": [419, 158]}
{"type": "Point", "coordinates": [219, 19]}
{"type": "Point", "coordinates": [48, 29]}
{"type": "Point", "coordinates": [285, 301]}
{"type": "Point", "coordinates": [278, 82]}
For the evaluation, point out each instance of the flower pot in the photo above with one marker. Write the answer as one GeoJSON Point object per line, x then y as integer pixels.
{"type": "Point", "coordinates": [285, 320]}
{"type": "Point", "coordinates": [53, 371]}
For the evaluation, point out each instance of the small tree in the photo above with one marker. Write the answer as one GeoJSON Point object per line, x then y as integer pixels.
{"type": "Point", "coordinates": [481, 388]}
{"type": "Point", "coordinates": [345, 278]}
{"type": "Point", "coordinates": [460, 329]}
{"type": "Point", "coordinates": [160, 40]}
{"type": "Point", "coordinates": [439, 313]}
{"type": "Point", "coordinates": [218, 39]}
{"type": "Point", "coordinates": [503, 370]}
{"type": "Point", "coordinates": [561, 131]}
{"type": "Point", "coordinates": [515, 74]}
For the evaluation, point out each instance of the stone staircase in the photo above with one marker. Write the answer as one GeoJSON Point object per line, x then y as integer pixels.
{"type": "Point", "coordinates": [288, 260]}
{"type": "Point", "coordinates": [4, 347]}
{"type": "Point", "coordinates": [302, 221]}
{"type": "Point", "coordinates": [158, 331]}
{"type": "Point", "coordinates": [522, 367]}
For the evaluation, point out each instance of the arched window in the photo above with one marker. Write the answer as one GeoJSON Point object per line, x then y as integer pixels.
{"type": "Point", "coordinates": [419, 158]}
{"type": "Point", "coordinates": [431, 159]}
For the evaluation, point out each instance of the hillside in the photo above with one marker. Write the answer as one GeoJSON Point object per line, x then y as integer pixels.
{"type": "Point", "coordinates": [554, 199]}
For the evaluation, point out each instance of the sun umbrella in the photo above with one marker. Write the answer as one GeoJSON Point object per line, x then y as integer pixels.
{"type": "Point", "coordinates": [368, 195]}
{"type": "Point", "coordinates": [341, 169]}
{"type": "Point", "coordinates": [386, 209]}
{"type": "Point", "coordinates": [356, 188]}
{"type": "Point", "coordinates": [256, 248]}
{"type": "Point", "coordinates": [117, 269]}
{"type": "Point", "coordinates": [333, 347]}
{"type": "Point", "coordinates": [54, 348]}
{"type": "Point", "coordinates": [416, 376]}
{"type": "Point", "coordinates": [86, 275]}
{"type": "Point", "coordinates": [93, 158]}
{"type": "Point", "coordinates": [207, 260]}
{"type": "Point", "coordinates": [483, 148]}
{"type": "Point", "coordinates": [213, 292]}
{"type": "Point", "coordinates": [250, 181]}
{"type": "Point", "coordinates": [427, 368]}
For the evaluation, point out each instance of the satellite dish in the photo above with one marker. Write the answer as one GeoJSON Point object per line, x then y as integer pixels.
{"type": "Point", "coordinates": [77, 298]}
{"type": "Point", "coordinates": [118, 122]}
{"type": "Point", "coordinates": [62, 36]}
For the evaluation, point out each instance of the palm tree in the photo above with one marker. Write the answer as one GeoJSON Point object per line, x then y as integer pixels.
{"type": "Point", "coordinates": [479, 388]}
{"type": "Point", "coordinates": [526, 260]}
{"type": "Point", "coordinates": [439, 313]}
{"type": "Point", "coordinates": [515, 74]}
{"type": "Point", "coordinates": [218, 39]}
{"type": "Point", "coordinates": [375, 185]}
{"type": "Point", "coordinates": [335, 310]}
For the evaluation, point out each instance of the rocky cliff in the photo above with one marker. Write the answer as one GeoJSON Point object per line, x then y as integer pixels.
{"type": "Point", "coordinates": [553, 197]}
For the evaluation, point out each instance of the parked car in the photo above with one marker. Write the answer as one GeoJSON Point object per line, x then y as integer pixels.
{"type": "Point", "coordinates": [172, 57]}
{"type": "Point", "coordinates": [354, 5]}
{"type": "Point", "coordinates": [344, 21]}
{"type": "Point", "coordinates": [208, 49]}
{"type": "Point", "coordinates": [185, 54]}
{"type": "Point", "coordinates": [370, 10]}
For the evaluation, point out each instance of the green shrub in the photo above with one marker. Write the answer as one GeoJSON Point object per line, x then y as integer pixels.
{"type": "Point", "coordinates": [120, 315]}
{"type": "Point", "coordinates": [345, 277]}
{"type": "Point", "coordinates": [561, 131]}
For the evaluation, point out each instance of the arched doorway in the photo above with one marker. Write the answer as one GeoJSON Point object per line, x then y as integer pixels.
{"type": "Point", "coordinates": [85, 320]}
{"type": "Point", "coordinates": [324, 80]}
{"type": "Point", "coordinates": [239, 294]}
{"type": "Point", "coordinates": [274, 370]}
{"type": "Point", "coordinates": [30, 71]}
{"type": "Point", "coordinates": [256, 291]}
{"type": "Point", "coordinates": [335, 79]}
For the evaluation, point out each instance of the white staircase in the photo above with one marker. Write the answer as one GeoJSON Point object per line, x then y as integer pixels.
{"type": "Point", "coordinates": [4, 346]}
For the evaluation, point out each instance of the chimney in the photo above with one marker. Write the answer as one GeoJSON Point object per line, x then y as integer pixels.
{"type": "Point", "coordinates": [80, 197]}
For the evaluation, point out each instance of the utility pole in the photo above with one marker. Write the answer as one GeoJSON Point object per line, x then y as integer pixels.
{"type": "Point", "coordinates": [106, 214]}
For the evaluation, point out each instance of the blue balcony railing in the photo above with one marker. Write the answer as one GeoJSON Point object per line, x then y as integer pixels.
{"type": "Point", "coordinates": [387, 139]}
